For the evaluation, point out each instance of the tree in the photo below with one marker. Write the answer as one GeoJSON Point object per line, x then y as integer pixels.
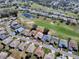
{"type": "Point", "coordinates": [45, 31]}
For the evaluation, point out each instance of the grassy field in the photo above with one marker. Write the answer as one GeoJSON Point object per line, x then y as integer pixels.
{"type": "Point", "coordinates": [61, 30]}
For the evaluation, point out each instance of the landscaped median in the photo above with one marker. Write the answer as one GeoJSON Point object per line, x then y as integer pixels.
{"type": "Point", "coordinates": [61, 30]}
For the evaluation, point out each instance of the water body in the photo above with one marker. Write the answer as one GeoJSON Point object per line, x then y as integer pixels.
{"type": "Point", "coordinates": [28, 15]}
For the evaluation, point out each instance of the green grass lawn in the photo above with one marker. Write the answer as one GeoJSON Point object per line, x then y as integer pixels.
{"type": "Point", "coordinates": [61, 30]}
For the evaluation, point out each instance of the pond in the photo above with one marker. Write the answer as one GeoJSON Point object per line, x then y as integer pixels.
{"type": "Point", "coordinates": [28, 15]}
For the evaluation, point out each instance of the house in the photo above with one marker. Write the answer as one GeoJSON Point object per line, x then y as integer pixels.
{"type": "Point", "coordinates": [3, 36]}
{"type": "Point", "coordinates": [58, 57]}
{"type": "Point", "coordinates": [36, 42]}
{"type": "Point", "coordinates": [63, 18]}
{"type": "Point", "coordinates": [63, 43]}
{"type": "Point", "coordinates": [2, 29]}
{"type": "Point", "coordinates": [2, 1]}
{"type": "Point", "coordinates": [72, 21]}
{"type": "Point", "coordinates": [70, 57]}
{"type": "Point", "coordinates": [54, 40]}
{"type": "Point", "coordinates": [14, 43]}
{"type": "Point", "coordinates": [39, 52]}
{"type": "Point", "coordinates": [15, 54]}
{"type": "Point", "coordinates": [2, 22]}
{"type": "Point", "coordinates": [23, 45]}
{"type": "Point", "coordinates": [17, 31]}
{"type": "Point", "coordinates": [31, 48]}
{"type": "Point", "coordinates": [54, 16]}
{"type": "Point", "coordinates": [33, 33]}
{"type": "Point", "coordinates": [10, 57]}
{"type": "Point", "coordinates": [3, 55]}
{"type": "Point", "coordinates": [3, 33]}
{"type": "Point", "coordinates": [25, 38]}
{"type": "Point", "coordinates": [39, 35]}
{"type": "Point", "coordinates": [61, 57]}
{"type": "Point", "coordinates": [46, 38]}
{"type": "Point", "coordinates": [13, 33]}
{"type": "Point", "coordinates": [7, 40]}
{"type": "Point", "coordinates": [49, 56]}
{"type": "Point", "coordinates": [14, 25]}
{"type": "Point", "coordinates": [25, 33]}
{"type": "Point", "coordinates": [77, 57]}
{"type": "Point", "coordinates": [73, 45]}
